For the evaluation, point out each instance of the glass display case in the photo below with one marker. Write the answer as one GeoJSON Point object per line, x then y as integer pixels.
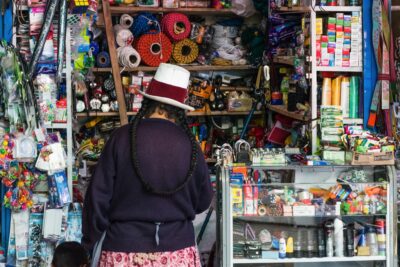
{"type": "Point", "coordinates": [304, 215]}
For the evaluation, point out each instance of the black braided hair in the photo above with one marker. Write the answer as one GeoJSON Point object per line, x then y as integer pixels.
{"type": "Point", "coordinates": [148, 108]}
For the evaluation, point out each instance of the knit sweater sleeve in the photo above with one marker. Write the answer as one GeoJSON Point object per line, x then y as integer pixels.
{"type": "Point", "coordinates": [98, 196]}
{"type": "Point", "coordinates": [205, 190]}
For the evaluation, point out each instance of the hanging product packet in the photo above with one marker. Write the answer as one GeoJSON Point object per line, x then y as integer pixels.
{"type": "Point", "coordinates": [35, 238]}
{"type": "Point", "coordinates": [74, 229]}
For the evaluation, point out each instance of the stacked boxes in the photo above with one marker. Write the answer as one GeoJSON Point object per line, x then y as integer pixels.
{"type": "Point", "coordinates": [341, 46]}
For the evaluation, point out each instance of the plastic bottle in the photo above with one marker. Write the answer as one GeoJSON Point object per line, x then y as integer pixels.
{"type": "Point", "coordinates": [285, 89]}
{"type": "Point", "coordinates": [349, 235]}
{"type": "Point", "coordinates": [329, 239]}
{"type": "Point", "coordinates": [338, 225]}
{"type": "Point", "coordinates": [381, 236]}
{"type": "Point", "coordinates": [311, 243]}
{"type": "Point", "coordinates": [297, 244]}
{"type": "Point", "coordinates": [289, 247]}
{"type": "Point", "coordinates": [372, 242]}
{"type": "Point", "coordinates": [321, 243]}
{"type": "Point", "coordinates": [282, 247]}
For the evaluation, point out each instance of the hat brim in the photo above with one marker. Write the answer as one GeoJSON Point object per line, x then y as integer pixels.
{"type": "Point", "coordinates": [167, 100]}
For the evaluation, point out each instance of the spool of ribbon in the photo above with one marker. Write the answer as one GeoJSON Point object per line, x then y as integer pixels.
{"type": "Point", "coordinates": [126, 21]}
{"type": "Point", "coordinates": [185, 51]}
{"type": "Point", "coordinates": [176, 26]}
{"type": "Point", "coordinates": [95, 48]}
{"type": "Point", "coordinates": [144, 23]}
{"type": "Point", "coordinates": [128, 57]}
{"type": "Point", "coordinates": [103, 60]}
{"type": "Point", "coordinates": [154, 49]}
{"type": "Point", "coordinates": [123, 37]}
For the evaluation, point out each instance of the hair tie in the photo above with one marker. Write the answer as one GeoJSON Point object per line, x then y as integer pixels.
{"type": "Point", "coordinates": [185, 51]}
{"type": "Point", "coordinates": [176, 26]}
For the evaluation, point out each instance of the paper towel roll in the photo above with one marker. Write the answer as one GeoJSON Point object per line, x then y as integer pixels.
{"type": "Point", "coordinates": [336, 83]}
{"type": "Point", "coordinates": [353, 102]}
{"type": "Point", "coordinates": [344, 96]}
{"type": "Point", "coordinates": [326, 92]}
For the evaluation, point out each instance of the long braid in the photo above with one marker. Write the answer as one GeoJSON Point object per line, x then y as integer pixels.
{"type": "Point", "coordinates": [182, 120]}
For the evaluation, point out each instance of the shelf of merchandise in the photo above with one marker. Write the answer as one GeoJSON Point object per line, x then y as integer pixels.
{"type": "Point", "coordinates": [56, 126]}
{"type": "Point", "coordinates": [130, 113]}
{"type": "Point", "coordinates": [309, 260]}
{"type": "Point", "coordinates": [308, 175]}
{"type": "Point", "coordinates": [294, 115]}
{"type": "Point", "coordinates": [193, 10]}
{"type": "Point", "coordinates": [188, 67]}
{"type": "Point", "coordinates": [294, 9]}
{"type": "Point", "coordinates": [286, 60]}
{"type": "Point", "coordinates": [337, 8]}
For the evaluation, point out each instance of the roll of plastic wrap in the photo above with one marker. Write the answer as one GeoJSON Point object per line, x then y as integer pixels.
{"type": "Point", "coordinates": [123, 37]}
{"type": "Point", "coordinates": [128, 57]}
{"type": "Point", "coordinates": [103, 60]}
{"type": "Point", "coordinates": [154, 49]}
{"type": "Point", "coordinates": [176, 26]}
{"type": "Point", "coordinates": [326, 92]}
{"type": "Point", "coordinates": [353, 102]}
{"type": "Point", "coordinates": [126, 21]}
{"type": "Point", "coordinates": [185, 51]}
{"type": "Point", "coordinates": [336, 84]}
{"type": "Point", "coordinates": [344, 96]}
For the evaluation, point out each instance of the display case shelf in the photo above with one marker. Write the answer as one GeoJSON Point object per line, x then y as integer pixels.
{"type": "Point", "coordinates": [339, 69]}
{"type": "Point", "coordinates": [194, 113]}
{"type": "Point", "coordinates": [294, 9]}
{"type": "Point", "coordinates": [56, 126]}
{"type": "Point", "coordinates": [338, 8]}
{"type": "Point", "coordinates": [309, 260]}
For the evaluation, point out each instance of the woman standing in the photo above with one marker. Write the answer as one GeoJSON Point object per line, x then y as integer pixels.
{"type": "Point", "coordinates": [150, 182]}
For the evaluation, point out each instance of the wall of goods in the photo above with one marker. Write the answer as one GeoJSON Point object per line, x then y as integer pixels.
{"type": "Point", "coordinates": [281, 82]}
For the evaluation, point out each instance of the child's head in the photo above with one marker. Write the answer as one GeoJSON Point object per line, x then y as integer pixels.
{"type": "Point", "coordinates": [70, 254]}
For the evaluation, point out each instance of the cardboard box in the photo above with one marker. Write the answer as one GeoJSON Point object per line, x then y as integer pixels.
{"type": "Point", "coordinates": [303, 210]}
{"type": "Point", "coordinates": [381, 158]}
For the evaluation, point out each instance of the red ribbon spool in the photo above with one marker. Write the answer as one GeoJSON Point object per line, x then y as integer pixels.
{"type": "Point", "coordinates": [154, 49]}
{"type": "Point", "coordinates": [176, 26]}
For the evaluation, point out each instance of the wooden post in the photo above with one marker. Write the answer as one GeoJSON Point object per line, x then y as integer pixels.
{"type": "Point", "coordinates": [114, 63]}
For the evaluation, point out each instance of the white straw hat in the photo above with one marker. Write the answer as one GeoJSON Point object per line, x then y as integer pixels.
{"type": "Point", "coordinates": [169, 86]}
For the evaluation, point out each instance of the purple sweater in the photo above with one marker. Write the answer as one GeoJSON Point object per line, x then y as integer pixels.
{"type": "Point", "coordinates": [117, 202]}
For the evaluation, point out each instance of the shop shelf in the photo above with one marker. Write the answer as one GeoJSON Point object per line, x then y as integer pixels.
{"type": "Point", "coordinates": [188, 67]}
{"type": "Point", "coordinates": [337, 8]}
{"type": "Point", "coordinates": [353, 121]}
{"type": "Point", "coordinates": [236, 88]}
{"type": "Point", "coordinates": [201, 11]}
{"type": "Point", "coordinates": [339, 69]}
{"type": "Point", "coordinates": [309, 260]}
{"type": "Point", "coordinates": [295, 9]}
{"type": "Point", "coordinates": [294, 115]}
{"type": "Point", "coordinates": [130, 113]}
{"type": "Point", "coordinates": [56, 126]}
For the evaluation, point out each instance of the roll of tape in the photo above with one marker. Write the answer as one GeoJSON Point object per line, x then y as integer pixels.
{"type": "Point", "coordinates": [154, 49]}
{"type": "Point", "coordinates": [176, 26]}
{"type": "Point", "coordinates": [185, 51]}
{"type": "Point", "coordinates": [262, 210]}
{"type": "Point", "coordinates": [103, 60]}
{"type": "Point", "coordinates": [123, 37]}
{"type": "Point", "coordinates": [126, 21]}
{"type": "Point", "coordinates": [128, 57]}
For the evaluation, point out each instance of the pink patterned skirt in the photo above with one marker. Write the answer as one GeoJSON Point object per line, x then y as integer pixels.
{"type": "Point", "coordinates": [187, 257]}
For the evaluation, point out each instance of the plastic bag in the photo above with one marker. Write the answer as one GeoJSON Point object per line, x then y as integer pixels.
{"type": "Point", "coordinates": [244, 8]}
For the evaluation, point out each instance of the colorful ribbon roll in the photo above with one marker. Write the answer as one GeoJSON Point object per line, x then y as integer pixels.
{"type": "Point", "coordinates": [128, 57]}
{"type": "Point", "coordinates": [123, 37]}
{"type": "Point", "coordinates": [185, 51]}
{"type": "Point", "coordinates": [144, 23]}
{"type": "Point", "coordinates": [176, 26]}
{"type": "Point", "coordinates": [126, 21]}
{"type": "Point", "coordinates": [95, 48]}
{"type": "Point", "coordinates": [154, 49]}
{"type": "Point", "coordinates": [103, 60]}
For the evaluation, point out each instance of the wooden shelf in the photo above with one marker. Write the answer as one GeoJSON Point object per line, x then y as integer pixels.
{"type": "Point", "coordinates": [203, 11]}
{"type": "Point", "coordinates": [130, 113]}
{"type": "Point", "coordinates": [238, 88]}
{"type": "Point", "coordinates": [287, 60]}
{"type": "Point", "coordinates": [188, 67]}
{"type": "Point", "coordinates": [295, 9]}
{"type": "Point", "coordinates": [294, 115]}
